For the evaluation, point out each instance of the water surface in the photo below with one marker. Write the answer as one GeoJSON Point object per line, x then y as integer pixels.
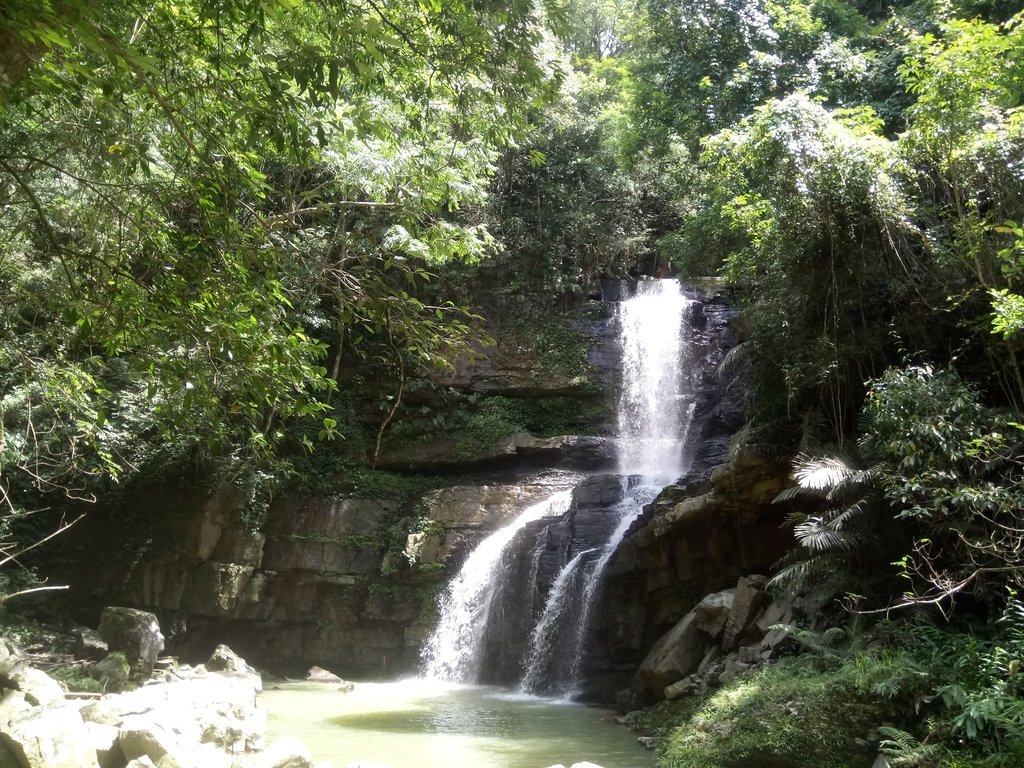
{"type": "Point", "coordinates": [425, 724]}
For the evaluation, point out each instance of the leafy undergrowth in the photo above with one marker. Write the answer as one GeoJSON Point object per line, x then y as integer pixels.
{"type": "Point", "coordinates": [926, 696]}
{"type": "Point", "coordinates": [789, 714]}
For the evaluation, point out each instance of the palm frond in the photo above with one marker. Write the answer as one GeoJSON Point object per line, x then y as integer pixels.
{"type": "Point", "coordinates": [817, 535]}
{"type": "Point", "coordinates": [838, 518]}
{"type": "Point", "coordinates": [823, 473]}
{"type": "Point", "coordinates": [794, 491]}
{"type": "Point", "coordinates": [815, 573]}
{"type": "Point", "coordinates": [733, 359]}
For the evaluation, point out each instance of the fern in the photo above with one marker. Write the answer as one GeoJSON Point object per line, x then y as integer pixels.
{"type": "Point", "coordinates": [903, 749]}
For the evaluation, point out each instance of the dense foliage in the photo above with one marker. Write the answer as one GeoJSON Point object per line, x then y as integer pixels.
{"type": "Point", "coordinates": [232, 228]}
{"type": "Point", "coordinates": [852, 170]}
{"type": "Point", "coordinates": [208, 210]}
{"type": "Point", "coordinates": [855, 176]}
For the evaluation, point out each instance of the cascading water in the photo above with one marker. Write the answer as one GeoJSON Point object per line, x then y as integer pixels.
{"type": "Point", "coordinates": [654, 413]}
{"type": "Point", "coordinates": [653, 416]}
{"type": "Point", "coordinates": [453, 652]}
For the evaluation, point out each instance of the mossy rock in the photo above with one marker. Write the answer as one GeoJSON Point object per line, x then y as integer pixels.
{"type": "Point", "coordinates": [134, 633]}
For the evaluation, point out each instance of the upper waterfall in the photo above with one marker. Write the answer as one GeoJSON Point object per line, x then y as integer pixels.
{"type": "Point", "coordinates": [652, 414]}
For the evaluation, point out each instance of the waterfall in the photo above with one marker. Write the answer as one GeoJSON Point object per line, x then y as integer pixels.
{"type": "Point", "coordinates": [453, 652]}
{"type": "Point", "coordinates": [653, 414]}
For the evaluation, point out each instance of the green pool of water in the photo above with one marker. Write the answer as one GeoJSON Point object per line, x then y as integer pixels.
{"type": "Point", "coordinates": [421, 724]}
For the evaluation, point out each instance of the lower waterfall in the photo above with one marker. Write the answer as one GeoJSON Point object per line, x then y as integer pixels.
{"type": "Point", "coordinates": [570, 539]}
{"type": "Point", "coordinates": [453, 651]}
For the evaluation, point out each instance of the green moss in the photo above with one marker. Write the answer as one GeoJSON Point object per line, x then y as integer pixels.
{"type": "Point", "coordinates": [490, 419]}
{"type": "Point", "coordinates": [788, 714]}
{"type": "Point", "coordinates": [327, 474]}
{"type": "Point", "coordinates": [77, 679]}
{"type": "Point", "coordinates": [424, 595]}
{"type": "Point", "coordinates": [562, 350]}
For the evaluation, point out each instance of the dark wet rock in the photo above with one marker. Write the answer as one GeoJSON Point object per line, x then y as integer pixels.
{"type": "Point", "coordinates": [89, 644]}
{"type": "Point", "coordinates": [523, 449]}
{"type": "Point", "coordinates": [223, 659]}
{"type": "Point", "coordinates": [675, 655]}
{"type": "Point", "coordinates": [134, 633]}
{"type": "Point", "coordinates": [320, 675]}
{"type": "Point", "coordinates": [713, 612]}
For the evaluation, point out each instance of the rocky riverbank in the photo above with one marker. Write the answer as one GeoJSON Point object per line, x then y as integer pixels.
{"type": "Point", "coordinates": [182, 717]}
{"type": "Point", "coordinates": [169, 715]}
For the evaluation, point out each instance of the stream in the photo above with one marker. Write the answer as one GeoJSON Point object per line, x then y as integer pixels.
{"type": "Point", "coordinates": [427, 724]}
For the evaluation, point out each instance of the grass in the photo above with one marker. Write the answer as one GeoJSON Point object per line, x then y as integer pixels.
{"type": "Point", "coordinates": [790, 714]}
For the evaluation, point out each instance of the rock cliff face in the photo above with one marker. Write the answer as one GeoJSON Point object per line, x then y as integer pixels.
{"type": "Point", "coordinates": [350, 582]}
{"type": "Point", "coordinates": [345, 581]}
{"type": "Point", "coordinates": [336, 582]}
{"type": "Point", "coordinates": [699, 536]}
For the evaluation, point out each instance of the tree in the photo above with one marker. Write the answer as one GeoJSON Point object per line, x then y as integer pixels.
{"type": "Point", "coordinates": [200, 200]}
{"type": "Point", "coordinates": [964, 138]}
{"type": "Point", "coordinates": [819, 226]}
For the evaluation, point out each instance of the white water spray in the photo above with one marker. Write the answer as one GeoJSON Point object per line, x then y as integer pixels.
{"type": "Point", "coordinates": [652, 414]}
{"type": "Point", "coordinates": [453, 652]}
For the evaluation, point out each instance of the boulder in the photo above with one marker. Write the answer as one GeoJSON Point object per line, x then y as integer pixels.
{"type": "Point", "coordinates": [734, 669]}
{"type": "Point", "coordinates": [8, 653]}
{"type": "Point", "coordinates": [50, 737]}
{"type": "Point", "coordinates": [286, 752]}
{"type": "Point", "coordinates": [749, 599]}
{"type": "Point", "coordinates": [134, 633]}
{"type": "Point", "coordinates": [714, 654]}
{"type": "Point", "coordinates": [749, 654]}
{"type": "Point", "coordinates": [779, 611]}
{"type": "Point", "coordinates": [104, 740]}
{"type": "Point", "coordinates": [713, 611]}
{"type": "Point", "coordinates": [321, 675]}
{"type": "Point", "coordinates": [774, 640]}
{"type": "Point", "coordinates": [200, 719]}
{"type": "Point", "coordinates": [687, 686]}
{"type": "Point", "coordinates": [631, 698]}
{"type": "Point", "coordinates": [141, 735]}
{"type": "Point", "coordinates": [113, 672]}
{"type": "Point", "coordinates": [6, 755]}
{"type": "Point", "coordinates": [89, 644]}
{"type": "Point", "coordinates": [37, 687]}
{"type": "Point", "coordinates": [675, 655]}
{"type": "Point", "coordinates": [223, 659]}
